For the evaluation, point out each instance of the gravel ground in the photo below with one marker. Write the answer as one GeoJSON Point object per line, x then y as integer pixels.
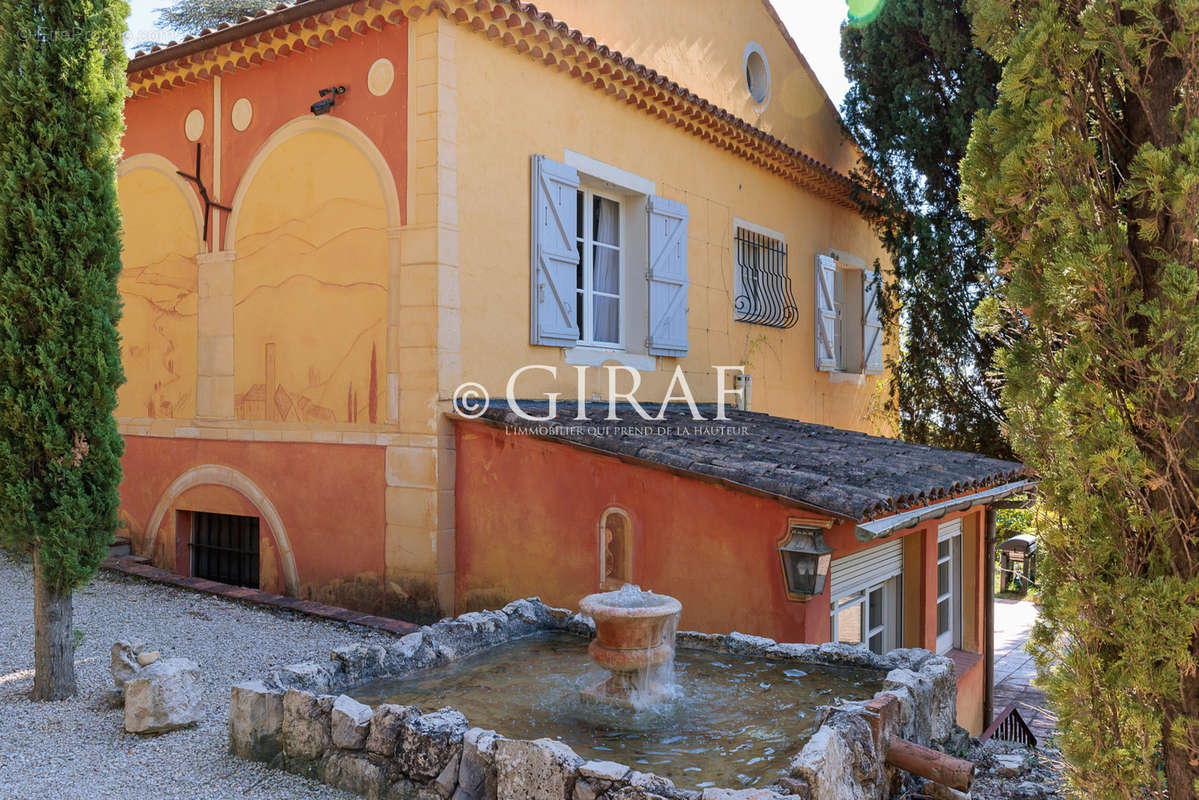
{"type": "Point", "coordinates": [78, 748]}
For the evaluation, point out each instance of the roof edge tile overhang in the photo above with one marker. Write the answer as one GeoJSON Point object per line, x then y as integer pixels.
{"type": "Point", "coordinates": [885, 526]}
{"type": "Point", "coordinates": [865, 530]}
{"type": "Point", "coordinates": [655, 465]}
{"type": "Point", "coordinates": [310, 24]}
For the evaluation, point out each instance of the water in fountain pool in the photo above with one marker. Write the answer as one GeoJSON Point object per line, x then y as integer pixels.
{"type": "Point", "coordinates": [732, 721]}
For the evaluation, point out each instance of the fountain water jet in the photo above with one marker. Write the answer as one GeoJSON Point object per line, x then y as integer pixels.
{"type": "Point", "coordinates": [634, 642]}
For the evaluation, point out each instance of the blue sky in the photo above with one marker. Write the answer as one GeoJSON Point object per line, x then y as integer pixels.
{"type": "Point", "coordinates": [814, 24]}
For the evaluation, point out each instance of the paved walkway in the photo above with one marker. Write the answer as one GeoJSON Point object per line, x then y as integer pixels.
{"type": "Point", "coordinates": [1014, 667]}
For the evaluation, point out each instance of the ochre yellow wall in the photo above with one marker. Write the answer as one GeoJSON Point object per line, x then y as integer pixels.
{"type": "Point", "coordinates": [310, 290]}
{"type": "Point", "coordinates": [523, 108]}
{"type": "Point", "coordinates": [158, 287]}
{"type": "Point", "coordinates": [700, 44]}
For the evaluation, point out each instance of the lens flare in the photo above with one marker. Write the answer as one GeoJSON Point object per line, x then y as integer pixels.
{"type": "Point", "coordinates": [863, 12]}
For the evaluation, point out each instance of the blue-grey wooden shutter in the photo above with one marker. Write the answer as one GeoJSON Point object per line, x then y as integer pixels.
{"type": "Point", "coordinates": [555, 257]}
{"type": "Point", "coordinates": [667, 277]}
{"type": "Point", "coordinates": [872, 326]}
{"type": "Point", "coordinates": [826, 313]}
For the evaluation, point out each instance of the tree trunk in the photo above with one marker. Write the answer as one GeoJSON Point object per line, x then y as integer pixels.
{"type": "Point", "coordinates": [1182, 753]}
{"type": "Point", "coordinates": [53, 639]}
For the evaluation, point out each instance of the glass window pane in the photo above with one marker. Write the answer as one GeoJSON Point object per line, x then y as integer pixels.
{"type": "Point", "coordinates": [875, 612]}
{"type": "Point", "coordinates": [943, 549]}
{"type": "Point", "coordinates": [607, 319]}
{"type": "Point", "coordinates": [606, 270]}
{"type": "Point", "coordinates": [876, 642]}
{"type": "Point", "coordinates": [943, 616]}
{"type": "Point", "coordinates": [605, 220]}
{"type": "Point", "coordinates": [943, 578]}
{"type": "Point", "coordinates": [579, 215]}
{"type": "Point", "coordinates": [849, 624]}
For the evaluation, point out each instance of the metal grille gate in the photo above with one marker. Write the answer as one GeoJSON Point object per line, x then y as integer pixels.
{"type": "Point", "coordinates": [225, 548]}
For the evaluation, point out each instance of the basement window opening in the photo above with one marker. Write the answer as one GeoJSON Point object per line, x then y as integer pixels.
{"type": "Point", "coordinates": [224, 548]}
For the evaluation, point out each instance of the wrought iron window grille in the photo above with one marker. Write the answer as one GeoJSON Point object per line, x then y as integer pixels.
{"type": "Point", "coordinates": [764, 295]}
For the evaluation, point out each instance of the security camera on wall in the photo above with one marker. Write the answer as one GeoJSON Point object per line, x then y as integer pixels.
{"type": "Point", "coordinates": [327, 101]}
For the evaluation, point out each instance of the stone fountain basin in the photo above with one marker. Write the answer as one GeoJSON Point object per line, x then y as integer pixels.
{"type": "Point", "coordinates": [293, 718]}
{"type": "Point", "coordinates": [632, 632]}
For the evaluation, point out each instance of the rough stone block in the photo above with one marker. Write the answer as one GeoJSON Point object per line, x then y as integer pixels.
{"type": "Point", "coordinates": [839, 653]}
{"type": "Point", "coordinates": [747, 645]}
{"type": "Point", "coordinates": [604, 771]}
{"type": "Point", "coordinates": [943, 707]}
{"type": "Point", "coordinates": [795, 652]}
{"type": "Point", "coordinates": [741, 794]}
{"type": "Point", "coordinates": [476, 769]}
{"type": "Point", "coordinates": [306, 734]}
{"type": "Point", "coordinates": [539, 770]}
{"type": "Point", "coordinates": [385, 728]}
{"type": "Point", "coordinates": [255, 721]}
{"type": "Point", "coordinates": [447, 780]}
{"type": "Point", "coordinates": [428, 742]}
{"type": "Point", "coordinates": [357, 773]}
{"type": "Point", "coordinates": [650, 783]}
{"type": "Point", "coordinates": [307, 676]}
{"type": "Point", "coordinates": [411, 652]}
{"type": "Point", "coordinates": [349, 723]}
{"type": "Point", "coordinates": [824, 764]}
{"type": "Point", "coordinates": [162, 697]}
{"type": "Point", "coordinates": [359, 662]}
{"type": "Point", "coordinates": [124, 661]}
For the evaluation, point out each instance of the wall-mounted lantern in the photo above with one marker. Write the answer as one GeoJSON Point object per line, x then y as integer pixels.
{"type": "Point", "coordinates": [806, 559]}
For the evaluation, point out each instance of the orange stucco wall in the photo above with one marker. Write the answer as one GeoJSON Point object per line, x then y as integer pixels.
{"type": "Point", "coordinates": [528, 514]}
{"type": "Point", "coordinates": [329, 500]}
{"type": "Point", "coordinates": [971, 689]}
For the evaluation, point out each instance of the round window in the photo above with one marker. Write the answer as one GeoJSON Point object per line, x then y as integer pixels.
{"type": "Point", "coordinates": [757, 74]}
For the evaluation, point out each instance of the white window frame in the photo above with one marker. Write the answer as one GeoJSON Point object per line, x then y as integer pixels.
{"type": "Point", "coordinates": [587, 320]}
{"type": "Point", "coordinates": [952, 637]}
{"type": "Point", "coordinates": [890, 624]}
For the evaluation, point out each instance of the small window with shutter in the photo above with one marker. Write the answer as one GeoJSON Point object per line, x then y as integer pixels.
{"type": "Point", "coordinates": [609, 260]}
{"type": "Point", "coordinates": [848, 321]}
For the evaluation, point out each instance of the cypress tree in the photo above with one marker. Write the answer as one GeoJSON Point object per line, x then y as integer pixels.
{"type": "Point", "coordinates": [916, 81]}
{"type": "Point", "coordinates": [62, 87]}
{"type": "Point", "coordinates": [1088, 172]}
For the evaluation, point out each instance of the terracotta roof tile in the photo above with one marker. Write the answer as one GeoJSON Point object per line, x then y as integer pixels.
{"type": "Point", "coordinates": [846, 473]}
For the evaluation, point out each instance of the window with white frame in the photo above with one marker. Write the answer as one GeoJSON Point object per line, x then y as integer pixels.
{"type": "Point", "coordinates": [949, 586]}
{"type": "Point", "coordinates": [600, 275]}
{"type": "Point", "coordinates": [848, 322]}
{"type": "Point", "coordinates": [866, 592]}
{"type": "Point", "coordinates": [609, 261]}
{"type": "Point", "coordinates": [869, 617]}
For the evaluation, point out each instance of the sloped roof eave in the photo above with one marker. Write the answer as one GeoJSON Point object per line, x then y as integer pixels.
{"type": "Point", "coordinates": [844, 474]}
{"type": "Point", "coordinates": [680, 106]}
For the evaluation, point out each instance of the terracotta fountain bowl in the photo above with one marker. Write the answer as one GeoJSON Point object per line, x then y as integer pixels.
{"type": "Point", "coordinates": [632, 632]}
